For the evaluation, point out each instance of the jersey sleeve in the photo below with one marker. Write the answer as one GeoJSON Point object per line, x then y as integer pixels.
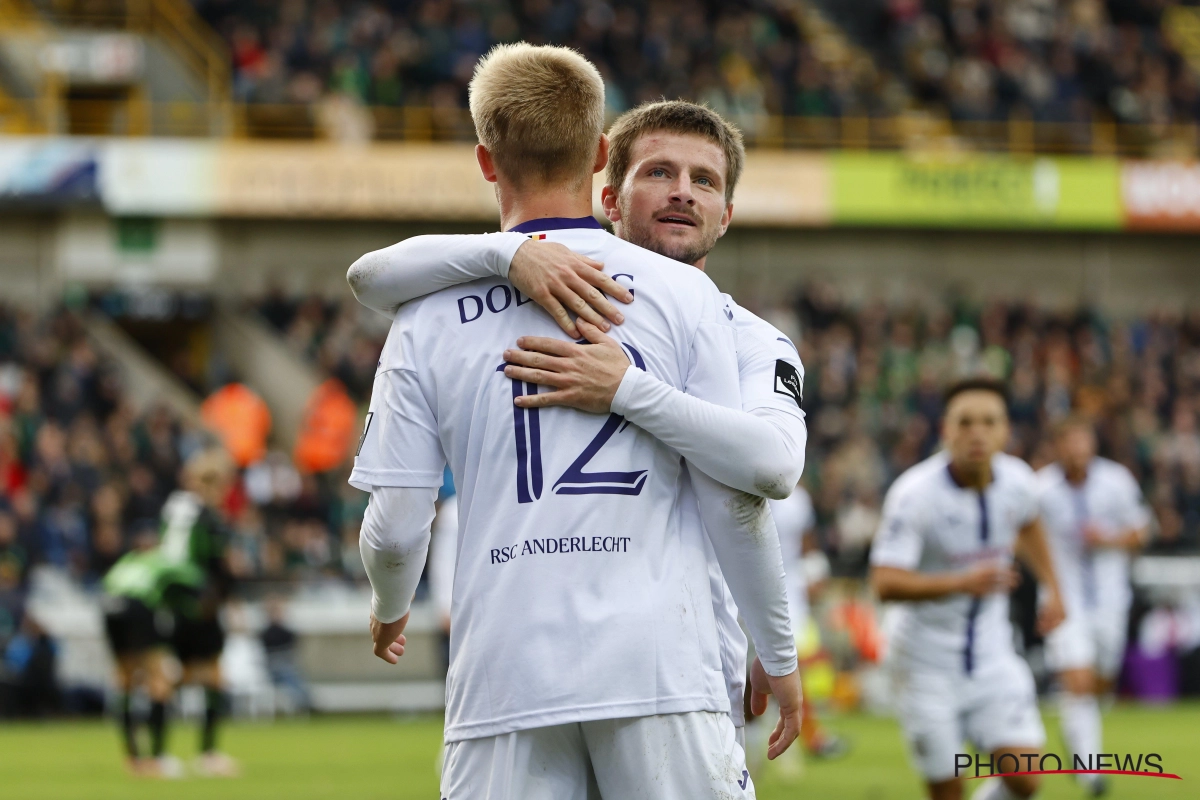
{"type": "Point", "coordinates": [759, 451]}
{"type": "Point", "coordinates": [900, 538]}
{"type": "Point", "coordinates": [400, 446]}
{"type": "Point", "coordinates": [1030, 493]}
{"type": "Point", "coordinates": [394, 544]}
{"type": "Point", "coordinates": [706, 424]}
{"type": "Point", "coordinates": [771, 373]}
{"type": "Point", "coordinates": [1134, 513]}
{"type": "Point", "coordinates": [742, 533]}
{"type": "Point", "coordinates": [385, 279]}
{"type": "Point", "coordinates": [712, 368]}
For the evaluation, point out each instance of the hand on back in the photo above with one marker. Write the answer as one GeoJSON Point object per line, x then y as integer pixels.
{"type": "Point", "coordinates": [582, 376]}
{"type": "Point", "coordinates": [561, 281]}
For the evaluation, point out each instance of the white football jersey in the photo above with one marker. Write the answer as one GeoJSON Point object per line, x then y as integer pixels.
{"type": "Point", "coordinates": [931, 524]}
{"type": "Point", "coordinates": [1110, 501]}
{"type": "Point", "coordinates": [770, 375]}
{"type": "Point", "coordinates": [581, 592]}
{"type": "Point", "coordinates": [794, 516]}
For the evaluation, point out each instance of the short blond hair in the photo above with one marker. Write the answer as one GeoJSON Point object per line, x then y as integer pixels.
{"type": "Point", "coordinates": [539, 111]}
{"type": "Point", "coordinates": [208, 467]}
{"type": "Point", "coordinates": [673, 116]}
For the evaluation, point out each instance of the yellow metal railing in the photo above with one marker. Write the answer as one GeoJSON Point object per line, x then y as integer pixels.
{"type": "Point", "coordinates": [175, 24]}
{"type": "Point", "coordinates": [17, 117]}
{"type": "Point", "coordinates": [134, 116]}
{"type": "Point", "coordinates": [1016, 135]}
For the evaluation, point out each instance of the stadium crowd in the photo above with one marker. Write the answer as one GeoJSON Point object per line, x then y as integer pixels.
{"type": "Point", "coordinates": [743, 59]}
{"type": "Point", "coordinates": [968, 59]}
{"type": "Point", "coordinates": [1054, 62]}
{"type": "Point", "coordinates": [339, 336]}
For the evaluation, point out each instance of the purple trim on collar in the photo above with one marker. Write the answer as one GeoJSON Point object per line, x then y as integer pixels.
{"type": "Point", "coordinates": [556, 224]}
{"type": "Point", "coordinates": [954, 480]}
{"type": "Point", "coordinates": [950, 475]}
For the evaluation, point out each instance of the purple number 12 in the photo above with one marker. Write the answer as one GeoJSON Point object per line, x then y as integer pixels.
{"type": "Point", "coordinates": [528, 431]}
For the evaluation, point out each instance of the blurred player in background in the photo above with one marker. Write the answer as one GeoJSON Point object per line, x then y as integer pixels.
{"type": "Point", "coordinates": [672, 171]}
{"type": "Point", "coordinates": [1096, 519]}
{"type": "Point", "coordinates": [194, 533]}
{"type": "Point", "coordinates": [141, 591]}
{"type": "Point", "coordinates": [806, 568]}
{"type": "Point", "coordinates": [951, 526]}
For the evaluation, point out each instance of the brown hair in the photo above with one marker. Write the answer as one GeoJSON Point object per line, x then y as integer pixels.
{"type": "Point", "coordinates": [1071, 422]}
{"type": "Point", "coordinates": [539, 111]}
{"type": "Point", "coordinates": [674, 116]}
{"type": "Point", "coordinates": [977, 383]}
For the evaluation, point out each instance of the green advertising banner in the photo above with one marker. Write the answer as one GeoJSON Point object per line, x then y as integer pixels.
{"type": "Point", "coordinates": [975, 191]}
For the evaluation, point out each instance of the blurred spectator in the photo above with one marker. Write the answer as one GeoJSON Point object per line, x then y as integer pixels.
{"type": "Point", "coordinates": [28, 673]}
{"type": "Point", "coordinates": [281, 645]}
{"type": "Point", "coordinates": [15, 561]}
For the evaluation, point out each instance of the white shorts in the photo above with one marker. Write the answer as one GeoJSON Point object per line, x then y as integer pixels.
{"type": "Point", "coordinates": [940, 710]}
{"type": "Point", "coordinates": [689, 756]}
{"type": "Point", "coordinates": [1089, 640]}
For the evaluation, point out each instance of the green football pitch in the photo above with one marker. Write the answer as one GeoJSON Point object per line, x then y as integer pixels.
{"type": "Point", "coordinates": [395, 757]}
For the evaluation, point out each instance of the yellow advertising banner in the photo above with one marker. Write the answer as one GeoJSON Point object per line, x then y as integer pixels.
{"type": "Point", "coordinates": [402, 181]}
{"type": "Point", "coordinates": [390, 181]}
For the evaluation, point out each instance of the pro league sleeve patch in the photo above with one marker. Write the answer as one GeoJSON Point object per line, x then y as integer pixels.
{"type": "Point", "coordinates": [787, 380]}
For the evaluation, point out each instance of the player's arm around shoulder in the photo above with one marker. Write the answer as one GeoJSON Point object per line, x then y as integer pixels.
{"type": "Point", "coordinates": [385, 279]}
{"type": "Point", "coordinates": [552, 275]}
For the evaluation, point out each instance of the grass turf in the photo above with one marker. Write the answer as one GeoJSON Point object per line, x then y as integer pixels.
{"type": "Point", "coordinates": [394, 758]}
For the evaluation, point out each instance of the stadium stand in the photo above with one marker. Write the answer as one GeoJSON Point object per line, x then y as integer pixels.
{"type": "Point", "coordinates": [971, 61]}
{"type": "Point", "coordinates": [340, 337]}
{"type": "Point", "coordinates": [745, 59]}
{"type": "Point", "coordinates": [1090, 76]}
{"type": "Point", "coordinates": [1054, 62]}
{"type": "Point", "coordinates": [68, 433]}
